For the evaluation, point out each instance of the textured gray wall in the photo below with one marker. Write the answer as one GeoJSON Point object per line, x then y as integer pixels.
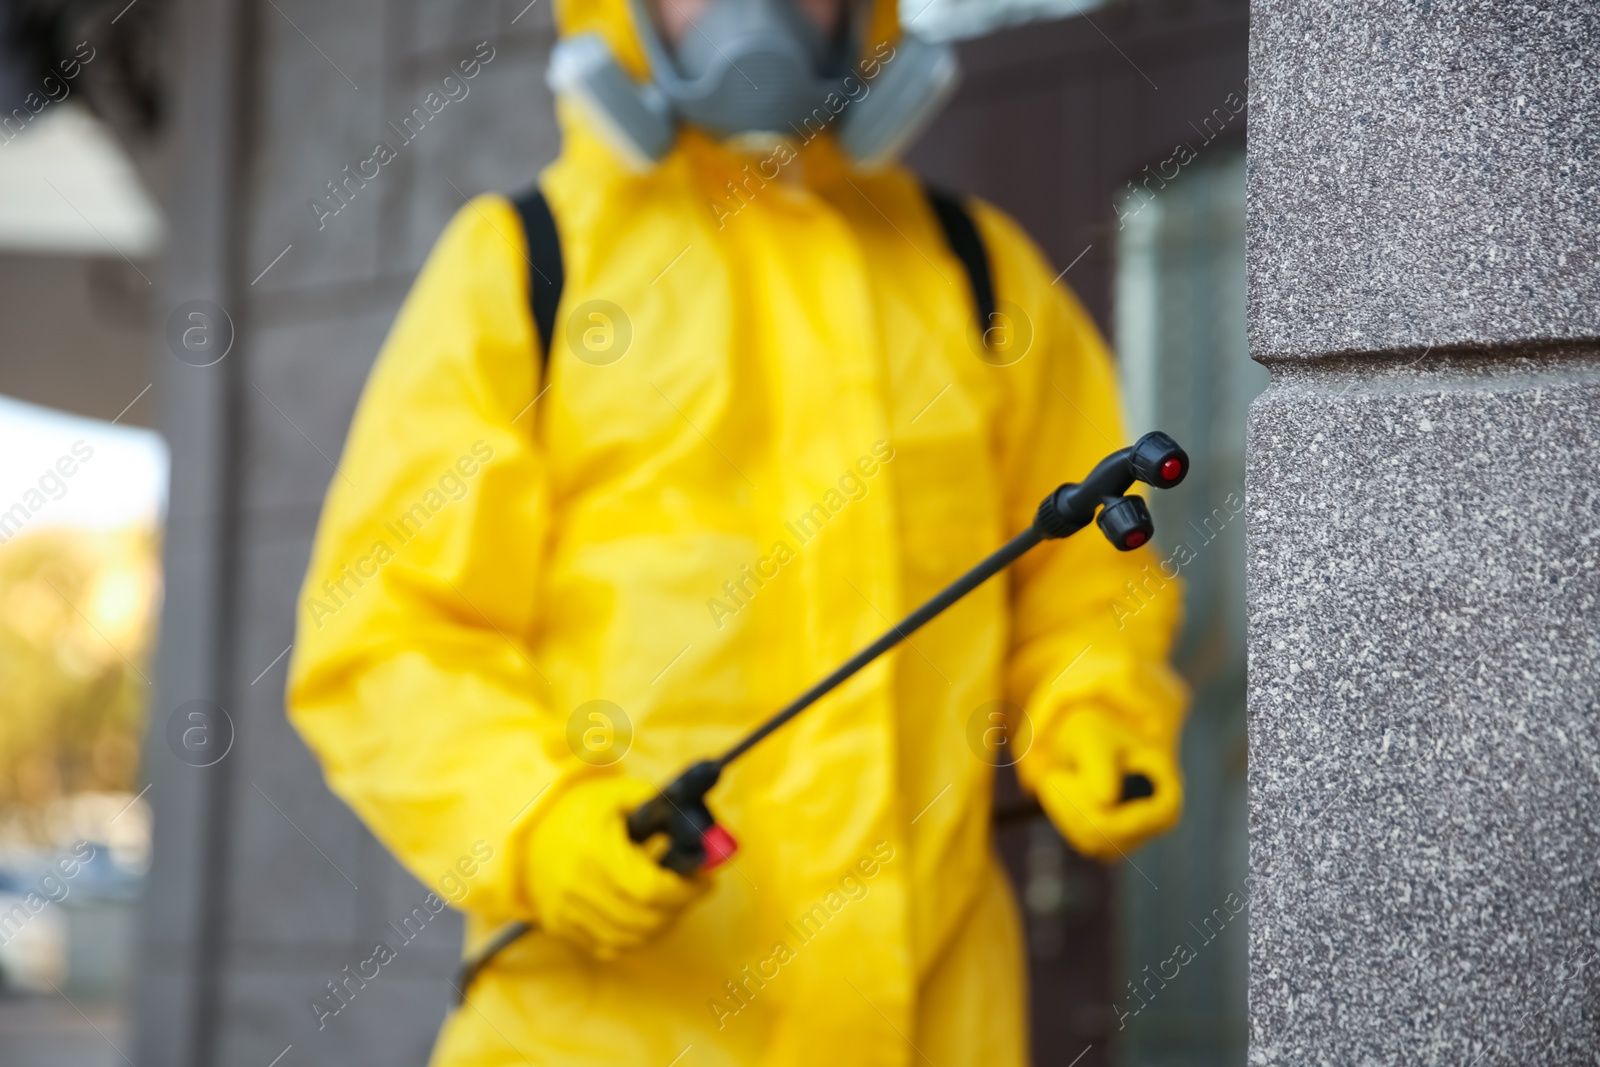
{"type": "Point", "coordinates": [1422, 173]}
{"type": "Point", "coordinates": [264, 886]}
{"type": "Point", "coordinates": [1424, 624]}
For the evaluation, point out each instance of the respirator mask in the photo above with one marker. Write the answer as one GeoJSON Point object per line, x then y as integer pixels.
{"type": "Point", "coordinates": [743, 67]}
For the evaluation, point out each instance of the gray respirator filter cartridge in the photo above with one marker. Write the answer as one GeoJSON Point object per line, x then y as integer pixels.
{"type": "Point", "coordinates": [634, 118]}
{"type": "Point", "coordinates": [908, 92]}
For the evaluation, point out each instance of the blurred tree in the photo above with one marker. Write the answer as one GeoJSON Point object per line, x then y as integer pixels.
{"type": "Point", "coordinates": [77, 615]}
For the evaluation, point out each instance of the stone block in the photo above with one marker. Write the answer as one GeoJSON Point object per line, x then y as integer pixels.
{"type": "Point", "coordinates": [324, 102]}
{"type": "Point", "coordinates": [1422, 174]}
{"type": "Point", "coordinates": [497, 139]}
{"type": "Point", "coordinates": [391, 1020]}
{"type": "Point", "coordinates": [301, 388]}
{"type": "Point", "coordinates": [1424, 594]}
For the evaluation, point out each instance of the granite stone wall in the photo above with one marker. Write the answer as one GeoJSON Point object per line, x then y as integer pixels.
{"type": "Point", "coordinates": [1424, 572]}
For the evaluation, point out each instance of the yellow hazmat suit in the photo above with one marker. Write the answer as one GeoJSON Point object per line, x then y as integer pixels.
{"type": "Point", "coordinates": [769, 428]}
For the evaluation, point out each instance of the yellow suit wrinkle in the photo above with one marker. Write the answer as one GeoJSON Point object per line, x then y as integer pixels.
{"type": "Point", "coordinates": [945, 520]}
{"type": "Point", "coordinates": [796, 320]}
{"type": "Point", "coordinates": [424, 649]}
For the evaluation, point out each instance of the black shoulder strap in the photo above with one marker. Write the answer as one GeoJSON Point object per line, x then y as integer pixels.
{"type": "Point", "coordinates": [545, 276]}
{"type": "Point", "coordinates": [961, 234]}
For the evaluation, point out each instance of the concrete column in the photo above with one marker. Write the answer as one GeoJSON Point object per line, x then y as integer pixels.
{"type": "Point", "coordinates": [1424, 284]}
{"type": "Point", "coordinates": [264, 888]}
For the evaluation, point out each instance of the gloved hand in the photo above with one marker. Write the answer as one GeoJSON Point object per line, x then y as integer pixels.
{"type": "Point", "coordinates": [1081, 787]}
{"type": "Point", "coordinates": [589, 883]}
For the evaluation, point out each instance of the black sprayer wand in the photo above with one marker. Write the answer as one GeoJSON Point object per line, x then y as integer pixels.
{"type": "Point", "coordinates": [697, 842]}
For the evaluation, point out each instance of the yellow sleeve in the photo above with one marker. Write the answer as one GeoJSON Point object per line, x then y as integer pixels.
{"type": "Point", "coordinates": [412, 678]}
{"type": "Point", "coordinates": [1092, 627]}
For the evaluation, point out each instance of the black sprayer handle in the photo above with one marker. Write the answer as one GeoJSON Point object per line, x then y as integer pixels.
{"type": "Point", "coordinates": [696, 842]}
{"type": "Point", "coordinates": [1136, 787]}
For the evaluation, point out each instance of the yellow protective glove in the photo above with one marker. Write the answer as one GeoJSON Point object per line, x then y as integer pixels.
{"type": "Point", "coordinates": [1081, 788]}
{"type": "Point", "coordinates": [589, 883]}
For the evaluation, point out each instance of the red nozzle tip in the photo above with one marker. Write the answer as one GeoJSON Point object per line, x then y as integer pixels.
{"type": "Point", "coordinates": [1171, 470]}
{"type": "Point", "coordinates": [1134, 539]}
{"type": "Point", "coordinates": [719, 845]}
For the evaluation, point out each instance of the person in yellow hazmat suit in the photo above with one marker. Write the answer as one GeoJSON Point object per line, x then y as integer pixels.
{"type": "Point", "coordinates": [647, 454]}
